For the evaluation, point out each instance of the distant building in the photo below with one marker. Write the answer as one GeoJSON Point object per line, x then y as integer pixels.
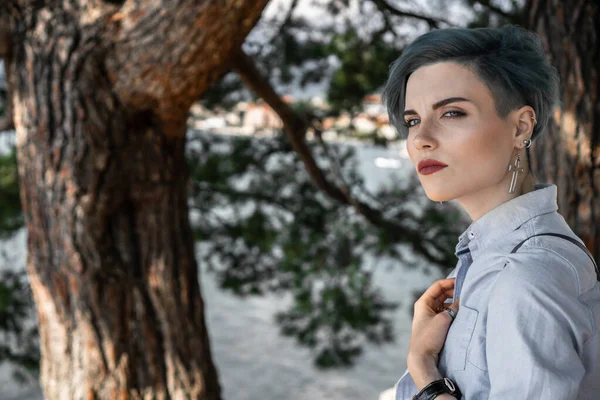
{"type": "Point", "coordinates": [328, 123]}
{"type": "Point", "coordinates": [248, 118]}
{"type": "Point", "coordinates": [233, 119]}
{"type": "Point", "coordinates": [343, 121]}
{"type": "Point", "coordinates": [197, 110]}
{"type": "Point", "coordinates": [372, 105]}
{"type": "Point", "coordinates": [261, 116]}
{"type": "Point", "coordinates": [363, 123]}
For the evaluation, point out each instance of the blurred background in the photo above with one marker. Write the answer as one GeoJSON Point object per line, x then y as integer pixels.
{"type": "Point", "coordinates": [312, 234]}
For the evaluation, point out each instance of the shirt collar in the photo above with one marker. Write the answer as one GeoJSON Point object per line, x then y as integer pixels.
{"type": "Point", "coordinates": [507, 217]}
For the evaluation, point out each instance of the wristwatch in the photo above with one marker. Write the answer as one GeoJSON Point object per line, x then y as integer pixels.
{"type": "Point", "coordinates": [435, 388]}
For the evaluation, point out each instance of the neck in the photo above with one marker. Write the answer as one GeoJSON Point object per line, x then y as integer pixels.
{"type": "Point", "coordinates": [480, 203]}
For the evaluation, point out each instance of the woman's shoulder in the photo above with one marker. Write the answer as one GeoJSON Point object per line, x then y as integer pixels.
{"type": "Point", "coordinates": [554, 257]}
{"type": "Point", "coordinates": [550, 261]}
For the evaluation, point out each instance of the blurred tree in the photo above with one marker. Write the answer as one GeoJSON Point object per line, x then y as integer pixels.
{"type": "Point", "coordinates": [271, 231]}
{"type": "Point", "coordinates": [570, 154]}
{"type": "Point", "coordinates": [101, 92]}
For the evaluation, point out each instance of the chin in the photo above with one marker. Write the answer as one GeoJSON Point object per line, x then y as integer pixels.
{"type": "Point", "coordinates": [438, 199]}
{"type": "Point", "coordinates": [437, 196]}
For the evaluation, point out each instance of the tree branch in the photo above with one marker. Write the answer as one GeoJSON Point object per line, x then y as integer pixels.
{"type": "Point", "coordinates": [287, 19]}
{"type": "Point", "coordinates": [495, 9]}
{"type": "Point", "coordinates": [295, 128]}
{"type": "Point", "coordinates": [163, 59]}
{"type": "Point", "coordinates": [384, 6]}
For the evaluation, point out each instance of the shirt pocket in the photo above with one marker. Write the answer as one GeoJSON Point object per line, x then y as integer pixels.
{"type": "Point", "coordinates": [477, 352]}
{"type": "Point", "coordinates": [454, 353]}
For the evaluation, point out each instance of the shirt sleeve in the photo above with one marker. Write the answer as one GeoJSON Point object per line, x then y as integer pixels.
{"type": "Point", "coordinates": [405, 387]}
{"type": "Point", "coordinates": [533, 324]}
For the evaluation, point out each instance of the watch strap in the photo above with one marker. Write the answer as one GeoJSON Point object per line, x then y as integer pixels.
{"type": "Point", "coordinates": [436, 388]}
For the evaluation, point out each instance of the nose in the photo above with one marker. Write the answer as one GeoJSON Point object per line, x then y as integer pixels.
{"type": "Point", "coordinates": [424, 138]}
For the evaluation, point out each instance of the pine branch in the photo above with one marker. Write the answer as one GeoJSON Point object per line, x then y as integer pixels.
{"type": "Point", "coordinates": [287, 19]}
{"type": "Point", "coordinates": [433, 22]}
{"type": "Point", "coordinates": [295, 128]}
{"type": "Point", "coordinates": [495, 9]}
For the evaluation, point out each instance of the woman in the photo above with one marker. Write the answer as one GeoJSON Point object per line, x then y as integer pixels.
{"type": "Point", "coordinates": [505, 324]}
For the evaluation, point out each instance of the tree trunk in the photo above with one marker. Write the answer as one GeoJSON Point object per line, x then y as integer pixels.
{"type": "Point", "coordinates": [570, 153]}
{"type": "Point", "coordinates": [101, 94]}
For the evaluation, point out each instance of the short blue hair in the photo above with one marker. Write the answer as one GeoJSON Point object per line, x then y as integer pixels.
{"type": "Point", "coordinates": [509, 60]}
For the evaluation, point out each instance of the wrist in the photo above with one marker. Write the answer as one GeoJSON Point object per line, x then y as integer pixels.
{"type": "Point", "coordinates": [423, 370]}
{"type": "Point", "coordinates": [443, 389]}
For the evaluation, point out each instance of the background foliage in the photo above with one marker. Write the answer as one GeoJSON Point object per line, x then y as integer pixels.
{"type": "Point", "coordinates": [260, 224]}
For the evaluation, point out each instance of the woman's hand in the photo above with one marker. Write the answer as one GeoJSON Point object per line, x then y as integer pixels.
{"type": "Point", "coordinates": [430, 327]}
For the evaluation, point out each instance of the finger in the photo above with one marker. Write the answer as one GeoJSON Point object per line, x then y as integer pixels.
{"type": "Point", "coordinates": [444, 318]}
{"type": "Point", "coordinates": [445, 290]}
{"type": "Point", "coordinates": [448, 293]}
{"type": "Point", "coordinates": [454, 306]}
{"type": "Point", "coordinates": [439, 287]}
{"type": "Point", "coordinates": [437, 305]}
{"type": "Point", "coordinates": [451, 306]}
{"type": "Point", "coordinates": [443, 298]}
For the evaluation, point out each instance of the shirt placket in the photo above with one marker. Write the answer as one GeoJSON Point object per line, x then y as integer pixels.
{"type": "Point", "coordinates": [464, 256]}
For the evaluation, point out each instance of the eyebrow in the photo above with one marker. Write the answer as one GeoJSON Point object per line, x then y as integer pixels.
{"type": "Point", "coordinates": [437, 105]}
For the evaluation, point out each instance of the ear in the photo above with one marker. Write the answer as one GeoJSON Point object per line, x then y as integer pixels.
{"type": "Point", "coordinates": [524, 122]}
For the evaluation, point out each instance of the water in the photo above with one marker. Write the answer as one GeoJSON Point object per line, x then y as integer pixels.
{"type": "Point", "coordinates": [255, 362]}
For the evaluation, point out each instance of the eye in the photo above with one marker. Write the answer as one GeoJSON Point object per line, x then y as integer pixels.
{"type": "Point", "coordinates": [411, 122]}
{"type": "Point", "coordinates": [453, 114]}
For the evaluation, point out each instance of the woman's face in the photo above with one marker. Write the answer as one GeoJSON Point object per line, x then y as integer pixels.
{"type": "Point", "coordinates": [452, 119]}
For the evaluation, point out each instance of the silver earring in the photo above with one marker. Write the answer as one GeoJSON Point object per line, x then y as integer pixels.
{"type": "Point", "coordinates": [516, 170]}
{"type": "Point", "coordinates": [527, 143]}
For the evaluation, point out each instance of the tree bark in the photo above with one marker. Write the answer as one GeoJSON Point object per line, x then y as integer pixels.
{"type": "Point", "coordinates": [569, 155]}
{"type": "Point", "coordinates": [101, 93]}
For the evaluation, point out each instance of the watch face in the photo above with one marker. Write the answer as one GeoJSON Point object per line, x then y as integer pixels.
{"type": "Point", "coordinates": [450, 385]}
{"type": "Point", "coordinates": [437, 388]}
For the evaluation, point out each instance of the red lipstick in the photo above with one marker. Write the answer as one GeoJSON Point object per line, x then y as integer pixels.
{"type": "Point", "coordinates": [429, 166]}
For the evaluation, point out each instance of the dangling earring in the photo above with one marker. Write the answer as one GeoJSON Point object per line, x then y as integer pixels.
{"type": "Point", "coordinates": [516, 170]}
{"type": "Point", "coordinates": [516, 167]}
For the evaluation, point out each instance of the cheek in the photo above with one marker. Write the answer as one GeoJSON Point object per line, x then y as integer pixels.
{"type": "Point", "coordinates": [487, 153]}
{"type": "Point", "coordinates": [410, 149]}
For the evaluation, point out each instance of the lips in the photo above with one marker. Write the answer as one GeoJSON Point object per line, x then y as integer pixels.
{"type": "Point", "coordinates": [430, 165]}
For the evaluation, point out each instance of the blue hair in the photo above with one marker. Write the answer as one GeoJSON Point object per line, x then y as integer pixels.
{"type": "Point", "coordinates": [509, 60]}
